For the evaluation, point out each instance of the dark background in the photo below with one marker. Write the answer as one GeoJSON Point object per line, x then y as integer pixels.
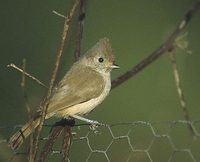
{"type": "Point", "coordinates": [29, 29]}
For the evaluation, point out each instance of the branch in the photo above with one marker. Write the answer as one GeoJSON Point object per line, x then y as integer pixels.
{"type": "Point", "coordinates": [79, 33]}
{"type": "Point", "coordinates": [67, 140]}
{"type": "Point", "coordinates": [27, 74]}
{"type": "Point", "coordinates": [58, 14]}
{"type": "Point", "coordinates": [180, 93]}
{"type": "Point", "coordinates": [27, 106]}
{"type": "Point", "coordinates": [167, 46]}
{"type": "Point", "coordinates": [62, 126]}
{"type": "Point", "coordinates": [53, 77]}
{"type": "Point", "coordinates": [56, 131]}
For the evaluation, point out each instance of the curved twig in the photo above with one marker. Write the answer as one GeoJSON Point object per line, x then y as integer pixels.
{"type": "Point", "coordinates": [168, 45]}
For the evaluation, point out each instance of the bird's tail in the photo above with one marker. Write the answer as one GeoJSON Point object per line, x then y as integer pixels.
{"type": "Point", "coordinates": [18, 138]}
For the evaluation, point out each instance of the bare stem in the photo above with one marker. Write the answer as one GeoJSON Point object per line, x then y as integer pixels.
{"type": "Point", "coordinates": [168, 45]}
{"type": "Point", "coordinates": [56, 131]}
{"type": "Point", "coordinates": [59, 14]}
{"type": "Point", "coordinates": [79, 33]}
{"type": "Point", "coordinates": [27, 106]}
{"type": "Point", "coordinates": [23, 75]}
{"type": "Point", "coordinates": [27, 74]}
{"type": "Point", "coordinates": [67, 139]}
{"type": "Point", "coordinates": [180, 92]}
{"type": "Point", "coordinates": [53, 77]}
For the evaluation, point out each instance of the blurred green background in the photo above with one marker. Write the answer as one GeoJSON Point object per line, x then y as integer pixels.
{"type": "Point", "coordinates": [30, 30]}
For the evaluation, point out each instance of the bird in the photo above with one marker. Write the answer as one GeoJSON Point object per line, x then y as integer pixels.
{"type": "Point", "coordinates": [83, 87]}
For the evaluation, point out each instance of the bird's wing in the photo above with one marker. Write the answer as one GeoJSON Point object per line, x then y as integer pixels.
{"type": "Point", "coordinates": [79, 85]}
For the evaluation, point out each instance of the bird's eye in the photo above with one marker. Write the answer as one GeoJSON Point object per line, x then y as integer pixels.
{"type": "Point", "coordinates": [101, 59]}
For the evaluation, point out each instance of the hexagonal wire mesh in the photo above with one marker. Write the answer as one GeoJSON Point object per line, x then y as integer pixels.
{"type": "Point", "coordinates": [137, 141]}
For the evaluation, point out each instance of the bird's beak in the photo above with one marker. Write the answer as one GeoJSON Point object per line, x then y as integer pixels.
{"type": "Point", "coordinates": [115, 66]}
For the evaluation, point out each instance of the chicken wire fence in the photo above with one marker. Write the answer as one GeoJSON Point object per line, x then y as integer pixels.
{"type": "Point", "coordinates": [138, 141]}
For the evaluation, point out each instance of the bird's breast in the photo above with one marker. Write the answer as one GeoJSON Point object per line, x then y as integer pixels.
{"type": "Point", "coordinates": [86, 107]}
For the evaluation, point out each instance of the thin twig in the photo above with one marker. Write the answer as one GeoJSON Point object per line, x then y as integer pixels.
{"type": "Point", "coordinates": [168, 45]}
{"type": "Point", "coordinates": [64, 125]}
{"type": "Point", "coordinates": [59, 14]}
{"type": "Point", "coordinates": [27, 74]}
{"type": "Point", "coordinates": [79, 32]}
{"type": "Point", "coordinates": [180, 92]}
{"type": "Point", "coordinates": [23, 75]}
{"type": "Point", "coordinates": [23, 84]}
{"type": "Point", "coordinates": [26, 105]}
{"type": "Point", "coordinates": [67, 139]}
{"type": "Point", "coordinates": [53, 77]}
{"type": "Point", "coordinates": [56, 131]}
